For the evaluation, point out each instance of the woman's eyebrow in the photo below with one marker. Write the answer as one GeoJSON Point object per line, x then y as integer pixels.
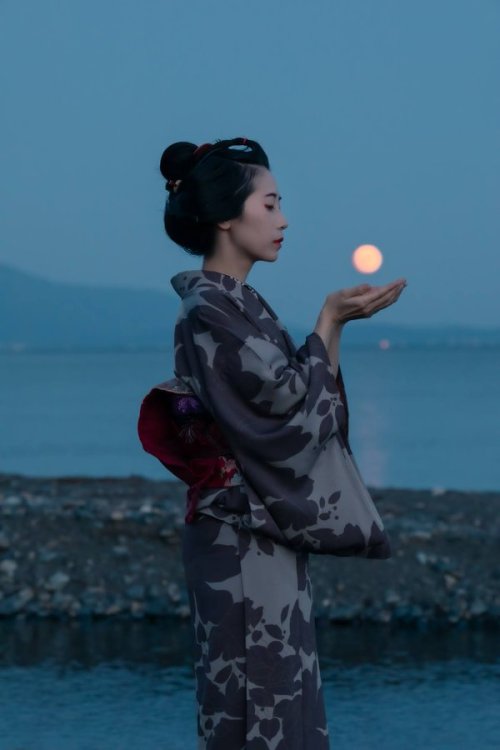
{"type": "Point", "coordinates": [274, 195]}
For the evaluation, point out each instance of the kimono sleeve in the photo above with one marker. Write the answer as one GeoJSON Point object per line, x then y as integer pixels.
{"type": "Point", "coordinates": [271, 405]}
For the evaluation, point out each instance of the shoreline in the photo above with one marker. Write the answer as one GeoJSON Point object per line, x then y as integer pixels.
{"type": "Point", "coordinates": [85, 547]}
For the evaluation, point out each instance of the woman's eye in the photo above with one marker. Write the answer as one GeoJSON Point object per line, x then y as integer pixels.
{"type": "Point", "coordinates": [271, 207]}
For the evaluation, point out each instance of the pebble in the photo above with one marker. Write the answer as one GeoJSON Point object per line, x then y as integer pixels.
{"type": "Point", "coordinates": [8, 567]}
{"type": "Point", "coordinates": [173, 592]}
{"type": "Point", "coordinates": [69, 555]}
{"type": "Point", "coordinates": [169, 535]}
{"type": "Point", "coordinates": [16, 602]}
{"type": "Point", "coordinates": [120, 550]}
{"type": "Point", "coordinates": [422, 535]}
{"type": "Point", "coordinates": [436, 491]}
{"type": "Point", "coordinates": [12, 501]}
{"type": "Point", "coordinates": [478, 607]}
{"type": "Point", "coordinates": [422, 557]}
{"type": "Point", "coordinates": [137, 608]}
{"type": "Point", "coordinates": [47, 555]}
{"type": "Point", "coordinates": [57, 581]}
{"type": "Point", "coordinates": [392, 597]}
{"type": "Point", "coordinates": [136, 591]}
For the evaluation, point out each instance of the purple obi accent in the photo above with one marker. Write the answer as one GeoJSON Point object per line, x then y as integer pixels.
{"type": "Point", "coordinates": [184, 406]}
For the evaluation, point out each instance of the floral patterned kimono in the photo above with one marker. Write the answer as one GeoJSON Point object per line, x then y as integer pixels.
{"type": "Point", "coordinates": [258, 429]}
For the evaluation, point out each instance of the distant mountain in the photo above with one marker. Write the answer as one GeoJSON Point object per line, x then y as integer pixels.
{"type": "Point", "coordinates": [37, 314]}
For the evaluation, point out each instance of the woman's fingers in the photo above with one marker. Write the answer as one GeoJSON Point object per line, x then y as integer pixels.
{"type": "Point", "coordinates": [361, 289]}
{"type": "Point", "coordinates": [363, 300]}
{"type": "Point", "coordinates": [383, 300]}
{"type": "Point", "coordinates": [375, 299]}
{"type": "Point", "coordinates": [357, 290]}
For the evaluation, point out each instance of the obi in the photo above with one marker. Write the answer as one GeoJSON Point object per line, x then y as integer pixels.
{"type": "Point", "coordinates": [175, 427]}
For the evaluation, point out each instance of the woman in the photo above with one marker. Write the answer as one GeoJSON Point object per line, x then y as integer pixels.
{"type": "Point", "coordinates": [258, 429]}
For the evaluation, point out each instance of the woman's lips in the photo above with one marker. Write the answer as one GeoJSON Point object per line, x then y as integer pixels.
{"type": "Point", "coordinates": [277, 242]}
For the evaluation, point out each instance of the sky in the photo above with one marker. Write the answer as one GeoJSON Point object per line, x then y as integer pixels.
{"type": "Point", "coordinates": [380, 118]}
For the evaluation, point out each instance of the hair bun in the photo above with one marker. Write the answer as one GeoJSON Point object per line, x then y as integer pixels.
{"type": "Point", "coordinates": [177, 160]}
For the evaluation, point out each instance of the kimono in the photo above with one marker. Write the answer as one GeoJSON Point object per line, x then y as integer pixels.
{"type": "Point", "coordinates": [258, 429]}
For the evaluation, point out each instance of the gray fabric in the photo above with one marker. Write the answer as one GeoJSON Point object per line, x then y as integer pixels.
{"type": "Point", "coordinates": [246, 554]}
{"type": "Point", "coordinates": [258, 684]}
{"type": "Point", "coordinates": [281, 412]}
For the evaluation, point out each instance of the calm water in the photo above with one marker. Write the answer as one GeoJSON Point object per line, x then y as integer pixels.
{"type": "Point", "coordinates": [419, 417]}
{"type": "Point", "coordinates": [118, 686]}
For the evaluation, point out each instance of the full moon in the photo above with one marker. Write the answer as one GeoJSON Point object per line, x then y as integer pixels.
{"type": "Point", "coordinates": [367, 259]}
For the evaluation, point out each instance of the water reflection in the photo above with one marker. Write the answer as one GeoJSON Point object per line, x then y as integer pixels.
{"type": "Point", "coordinates": [372, 439]}
{"type": "Point", "coordinates": [115, 685]}
{"type": "Point", "coordinates": [167, 642]}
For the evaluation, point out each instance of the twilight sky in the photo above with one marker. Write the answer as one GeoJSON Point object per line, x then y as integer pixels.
{"type": "Point", "coordinates": [381, 120]}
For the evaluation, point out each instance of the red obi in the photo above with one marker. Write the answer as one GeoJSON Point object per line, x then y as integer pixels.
{"type": "Point", "coordinates": [175, 427]}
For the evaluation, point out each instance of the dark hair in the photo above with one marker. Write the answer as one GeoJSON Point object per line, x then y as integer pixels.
{"type": "Point", "coordinates": [216, 179]}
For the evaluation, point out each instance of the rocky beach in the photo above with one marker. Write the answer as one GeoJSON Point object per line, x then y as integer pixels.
{"type": "Point", "coordinates": [74, 547]}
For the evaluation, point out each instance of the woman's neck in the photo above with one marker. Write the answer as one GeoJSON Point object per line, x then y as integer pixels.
{"type": "Point", "coordinates": [238, 269]}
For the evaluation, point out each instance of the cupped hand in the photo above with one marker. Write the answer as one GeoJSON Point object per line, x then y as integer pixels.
{"type": "Point", "coordinates": [362, 301]}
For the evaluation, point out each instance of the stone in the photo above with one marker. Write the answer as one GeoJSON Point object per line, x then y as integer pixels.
{"type": "Point", "coordinates": [478, 607]}
{"type": "Point", "coordinates": [436, 491]}
{"type": "Point", "coordinates": [115, 608]}
{"type": "Point", "coordinates": [47, 555]}
{"type": "Point", "coordinates": [8, 567]}
{"type": "Point", "coordinates": [16, 602]}
{"type": "Point", "coordinates": [384, 615]}
{"type": "Point", "coordinates": [392, 597]}
{"type": "Point", "coordinates": [120, 550]}
{"type": "Point", "coordinates": [12, 501]}
{"type": "Point", "coordinates": [57, 581]}
{"type": "Point", "coordinates": [137, 608]}
{"type": "Point", "coordinates": [166, 533]}
{"type": "Point", "coordinates": [421, 535]}
{"type": "Point", "coordinates": [173, 592]}
{"type": "Point", "coordinates": [136, 591]}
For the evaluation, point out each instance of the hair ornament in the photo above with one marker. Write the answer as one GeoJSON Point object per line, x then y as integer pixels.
{"type": "Point", "coordinates": [205, 147]}
{"type": "Point", "coordinates": [173, 185]}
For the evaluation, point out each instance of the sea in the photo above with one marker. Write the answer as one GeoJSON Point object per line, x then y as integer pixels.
{"type": "Point", "coordinates": [419, 418]}
{"type": "Point", "coordinates": [130, 686]}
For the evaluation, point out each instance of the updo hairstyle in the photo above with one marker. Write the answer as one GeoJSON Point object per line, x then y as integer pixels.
{"type": "Point", "coordinates": [214, 184]}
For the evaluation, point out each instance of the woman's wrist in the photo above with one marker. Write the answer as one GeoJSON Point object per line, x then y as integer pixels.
{"type": "Point", "coordinates": [331, 316]}
{"type": "Point", "coordinates": [330, 330]}
{"type": "Point", "coordinates": [337, 326]}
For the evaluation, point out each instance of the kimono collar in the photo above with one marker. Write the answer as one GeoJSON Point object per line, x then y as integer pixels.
{"type": "Point", "coordinates": [187, 281]}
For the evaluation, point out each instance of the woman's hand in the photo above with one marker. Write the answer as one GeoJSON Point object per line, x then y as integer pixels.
{"type": "Point", "coordinates": [361, 301]}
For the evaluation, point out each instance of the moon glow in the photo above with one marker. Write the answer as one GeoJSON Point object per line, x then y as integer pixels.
{"type": "Point", "coordinates": [367, 259]}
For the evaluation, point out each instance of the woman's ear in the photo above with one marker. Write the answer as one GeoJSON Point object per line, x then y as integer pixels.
{"type": "Point", "coordinates": [224, 224]}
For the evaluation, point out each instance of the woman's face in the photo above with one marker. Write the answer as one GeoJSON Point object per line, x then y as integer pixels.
{"type": "Point", "coordinates": [261, 223]}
